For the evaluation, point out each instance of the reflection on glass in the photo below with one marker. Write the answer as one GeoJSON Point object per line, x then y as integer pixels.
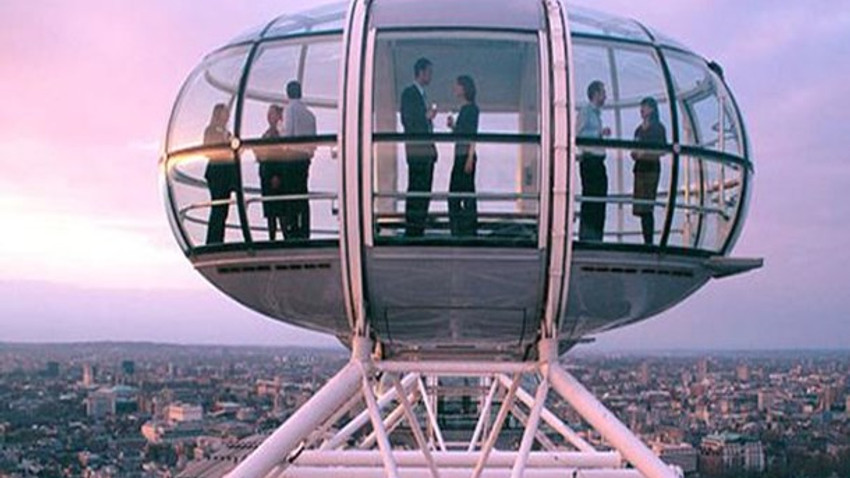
{"type": "Point", "coordinates": [313, 62]}
{"type": "Point", "coordinates": [194, 206]}
{"type": "Point", "coordinates": [215, 81]}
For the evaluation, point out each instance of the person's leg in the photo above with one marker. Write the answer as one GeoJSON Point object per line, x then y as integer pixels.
{"type": "Point", "coordinates": [594, 185]}
{"type": "Point", "coordinates": [455, 204]}
{"type": "Point", "coordinates": [647, 226]}
{"type": "Point", "coordinates": [303, 206]}
{"type": "Point", "coordinates": [469, 206]}
{"type": "Point", "coordinates": [416, 209]}
{"type": "Point", "coordinates": [218, 214]}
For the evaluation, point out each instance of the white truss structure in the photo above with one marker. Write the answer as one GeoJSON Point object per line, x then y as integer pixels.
{"type": "Point", "coordinates": [382, 419]}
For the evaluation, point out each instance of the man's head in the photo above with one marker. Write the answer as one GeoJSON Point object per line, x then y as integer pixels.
{"type": "Point", "coordinates": [293, 90]}
{"type": "Point", "coordinates": [422, 71]}
{"type": "Point", "coordinates": [274, 115]}
{"type": "Point", "coordinates": [596, 93]}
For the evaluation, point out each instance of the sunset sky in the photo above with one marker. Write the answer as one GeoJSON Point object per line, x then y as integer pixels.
{"type": "Point", "coordinates": [86, 252]}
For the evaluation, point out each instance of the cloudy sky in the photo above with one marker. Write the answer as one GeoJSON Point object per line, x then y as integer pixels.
{"type": "Point", "coordinates": [86, 253]}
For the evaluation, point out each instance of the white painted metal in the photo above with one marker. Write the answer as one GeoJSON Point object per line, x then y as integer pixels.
{"type": "Point", "coordinates": [497, 428]}
{"type": "Point", "coordinates": [551, 419]}
{"type": "Point", "coordinates": [432, 416]}
{"type": "Point", "coordinates": [608, 425]}
{"type": "Point", "coordinates": [456, 368]}
{"type": "Point", "coordinates": [530, 429]}
{"type": "Point", "coordinates": [322, 472]}
{"type": "Point", "coordinates": [286, 438]}
{"type": "Point", "coordinates": [360, 420]}
{"type": "Point", "coordinates": [378, 425]}
{"type": "Point", "coordinates": [350, 239]}
{"type": "Point", "coordinates": [559, 243]}
{"type": "Point", "coordinates": [498, 459]}
{"type": "Point", "coordinates": [484, 416]}
{"type": "Point", "coordinates": [414, 426]}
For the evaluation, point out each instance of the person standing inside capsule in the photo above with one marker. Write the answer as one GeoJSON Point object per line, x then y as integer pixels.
{"type": "Point", "coordinates": [298, 121]}
{"type": "Point", "coordinates": [417, 118]}
{"type": "Point", "coordinates": [220, 173]}
{"type": "Point", "coordinates": [463, 212]}
{"type": "Point", "coordinates": [272, 176]}
{"type": "Point", "coordinates": [594, 177]}
{"type": "Point", "coordinates": [647, 168]}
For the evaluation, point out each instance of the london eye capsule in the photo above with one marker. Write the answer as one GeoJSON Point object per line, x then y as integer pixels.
{"type": "Point", "coordinates": [456, 188]}
{"type": "Point", "coordinates": [318, 225]}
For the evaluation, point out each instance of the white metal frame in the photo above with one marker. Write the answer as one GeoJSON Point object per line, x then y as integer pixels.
{"type": "Point", "coordinates": [356, 450]}
{"type": "Point", "coordinates": [322, 439]}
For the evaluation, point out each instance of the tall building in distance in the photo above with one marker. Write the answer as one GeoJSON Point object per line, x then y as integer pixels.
{"type": "Point", "coordinates": [128, 368]}
{"type": "Point", "coordinates": [742, 371]}
{"type": "Point", "coordinates": [89, 375]}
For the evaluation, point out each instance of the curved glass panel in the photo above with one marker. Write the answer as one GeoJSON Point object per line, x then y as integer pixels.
{"type": "Point", "coordinates": [214, 82]}
{"type": "Point", "coordinates": [629, 75]}
{"type": "Point", "coordinates": [708, 198]}
{"type": "Point", "coordinates": [291, 191]}
{"type": "Point", "coordinates": [705, 107]}
{"type": "Point", "coordinates": [203, 190]}
{"type": "Point", "coordinates": [601, 24]}
{"type": "Point", "coordinates": [312, 61]}
{"type": "Point", "coordinates": [624, 196]}
{"type": "Point", "coordinates": [327, 18]}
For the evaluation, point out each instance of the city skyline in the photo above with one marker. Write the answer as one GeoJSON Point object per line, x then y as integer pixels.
{"type": "Point", "coordinates": [86, 253]}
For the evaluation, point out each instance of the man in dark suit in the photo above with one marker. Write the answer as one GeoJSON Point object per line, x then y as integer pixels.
{"type": "Point", "coordinates": [417, 117]}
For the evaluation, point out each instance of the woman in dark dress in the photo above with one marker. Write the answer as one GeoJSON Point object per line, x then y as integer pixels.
{"type": "Point", "coordinates": [647, 168]}
{"type": "Point", "coordinates": [463, 212]}
{"type": "Point", "coordinates": [220, 173]}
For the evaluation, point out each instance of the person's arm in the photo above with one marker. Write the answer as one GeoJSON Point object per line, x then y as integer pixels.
{"type": "Point", "coordinates": [288, 122]}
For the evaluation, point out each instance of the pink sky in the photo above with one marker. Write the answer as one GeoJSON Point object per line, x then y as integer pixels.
{"type": "Point", "coordinates": [87, 87]}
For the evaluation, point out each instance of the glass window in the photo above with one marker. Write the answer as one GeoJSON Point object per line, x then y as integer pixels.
{"type": "Point", "coordinates": [480, 84]}
{"type": "Point", "coordinates": [629, 74]}
{"type": "Point", "coordinates": [214, 82]}
{"type": "Point", "coordinates": [708, 197]}
{"type": "Point", "coordinates": [503, 67]}
{"type": "Point", "coordinates": [623, 197]}
{"type": "Point", "coordinates": [291, 191]}
{"type": "Point", "coordinates": [203, 190]}
{"type": "Point", "coordinates": [312, 61]}
{"type": "Point", "coordinates": [291, 178]}
{"type": "Point", "coordinates": [704, 106]}
{"type": "Point", "coordinates": [327, 18]}
{"type": "Point", "coordinates": [596, 23]}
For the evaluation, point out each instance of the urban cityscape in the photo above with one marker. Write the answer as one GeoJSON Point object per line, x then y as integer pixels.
{"type": "Point", "coordinates": [152, 410]}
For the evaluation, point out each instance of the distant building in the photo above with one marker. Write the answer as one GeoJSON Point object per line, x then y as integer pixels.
{"type": "Point", "coordinates": [100, 403]}
{"type": "Point", "coordinates": [184, 412]}
{"type": "Point", "coordinates": [52, 369]}
{"type": "Point", "coordinates": [682, 455]}
{"type": "Point", "coordinates": [724, 452]}
{"type": "Point", "coordinates": [702, 369]}
{"type": "Point", "coordinates": [765, 400]}
{"type": "Point", "coordinates": [743, 372]}
{"type": "Point", "coordinates": [89, 375]}
{"type": "Point", "coordinates": [128, 367]}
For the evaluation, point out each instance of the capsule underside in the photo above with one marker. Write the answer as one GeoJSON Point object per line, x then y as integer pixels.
{"type": "Point", "coordinates": [443, 291]}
